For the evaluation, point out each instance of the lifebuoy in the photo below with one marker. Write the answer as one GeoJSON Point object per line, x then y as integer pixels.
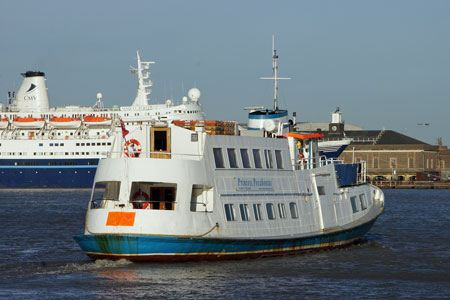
{"type": "Point", "coordinates": [136, 148]}
{"type": "Point", "coordinates": [140, 205]}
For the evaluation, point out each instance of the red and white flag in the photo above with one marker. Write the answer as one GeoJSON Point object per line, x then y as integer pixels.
{"type": "Point", "coordinates": [124, 131]}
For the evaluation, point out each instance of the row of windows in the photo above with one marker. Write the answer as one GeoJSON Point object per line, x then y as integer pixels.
{"type": "Point", "coordinates": [271, 212]}
{"type": "Point", "coordinates": [167, 113]}
{"type": "Point", "coordinates": [54, 163]}
{"type": "Point", "coordinates": [411, 165]}
{"type": "Point", "coordinates": [93, 144]}
{"type": "Point", "coordinates": [51, 153]}
{"type": "Point", "coordinates": [246, 162]}
{"type": "Point", "coordinates": [358, 205]}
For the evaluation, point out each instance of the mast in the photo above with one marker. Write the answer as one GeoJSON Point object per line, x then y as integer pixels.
{"type": "Point", "coordinates": [275, 77]}
{"type": "Point", "coordinates": [144, 82]}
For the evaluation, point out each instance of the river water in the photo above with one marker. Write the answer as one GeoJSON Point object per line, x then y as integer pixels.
{"type": "Point", "coordinates": [406, 255]}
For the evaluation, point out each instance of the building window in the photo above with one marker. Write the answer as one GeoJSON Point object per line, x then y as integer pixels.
{"type": "Point", "coordinates": [410, 162]}
{"type": "Point", "coordinates": [244, 212]}
{"type": "Point", "coordinates": [218, 157]}
{"type": "Point", "coordinates": [229, 212]}
{"type": "Point", "coordinates": [232, 158]}
{"type": "Point", "coordinates": [354, 204]}
{"type": "Point", "coordinates": [442, 164]}
{"type": "Point", "coordinates": [279, 159]}
{"type": "Point", "coordinates": [257, 212]}
{"type": "Point", "coordinates": [257, 158]}
{"type": "Point", "coordinates": [282, 210]}
{"type": "Point", "coordinates": [270, 211]}
{"type": "Point", "coordinates": [375, 162]}
{"type": "Point", "coordinates": [393, 162]}
{"type": "Point", "coordinates": [293, 210]}
{"type": "Point", "coordinates": [245, 158]}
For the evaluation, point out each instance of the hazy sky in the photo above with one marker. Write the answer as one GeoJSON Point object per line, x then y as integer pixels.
{"type": "Point", "coordinates": [386, 64]}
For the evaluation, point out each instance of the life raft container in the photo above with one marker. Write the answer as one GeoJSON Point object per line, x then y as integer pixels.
{"type": "Point", "coordinates": [135, 148]}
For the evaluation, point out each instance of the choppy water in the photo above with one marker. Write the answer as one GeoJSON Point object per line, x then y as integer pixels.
{"type": "Point", "coordinates": [406, 255]}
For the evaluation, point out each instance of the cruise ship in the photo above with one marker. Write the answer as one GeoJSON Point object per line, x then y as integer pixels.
{"type": "Point", "coordinates": [60, 147]}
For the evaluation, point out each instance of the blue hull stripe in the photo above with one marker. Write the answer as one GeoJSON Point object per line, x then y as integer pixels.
{"type": "Point", "coordinates": [164, 248]}
{"type": "Point", "coordinates": [47, 173]}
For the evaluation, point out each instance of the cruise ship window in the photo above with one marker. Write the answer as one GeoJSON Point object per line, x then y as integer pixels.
{"type": "Point", "coordinates": [293, 210]}
{"type": "Point", "coordinates": [229, 212]}
{"type": "Point", "coordinates": [268, 156]}
{"type": "Point", "coordinates": [232, 158]}
{"type": "Point", "coordinates": [245, 158]}
{"type": "Point", "coordinates": [282, 210]}
{"type": "Point", "coordinates": [257, 158]}
{"type": "Point", "coordinates": [354, 204]}
{"type": "Point", "coordinates": [257, 212]}
{"type": "Point", "coordinates": [362, 199]}
{"type": "Point", "coordinates": [270, 211]}
{"type": "Point", "coordinates": [244, 212]}
{"type": "Point", "coordinates": [218, 158]}
{"type": "Point", "coordinates": [279, 159]}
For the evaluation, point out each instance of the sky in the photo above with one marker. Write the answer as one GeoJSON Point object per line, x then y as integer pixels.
{"type": "Point", "coordinates": [385, 64]}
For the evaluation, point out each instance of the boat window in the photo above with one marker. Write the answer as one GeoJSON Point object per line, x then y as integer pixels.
{"type": "Point", "coordinates": [270, 211]}
{"type": "Point", "coordinates": [268, 156]}
{"type": "Point", "coordinates": [257, 212]}
{"type": "Point", "coordinates": [232, 158]}
{"type": "Point", "coordinates": [321, 190]}
{"type": "Point", "coordinates": [293, 209]}
{"type": "Point", "coordinates": [152, 195]}
{"type": "Point", "coordinates": [245, 158]}
{"type": "Point", "coordinates": [282, 210]}
{"type": "Point", "coordinates": [362, 199]}
{"type": "Point", "coordinates": [354, 204]}
{"type": "Point", "coordinates": [104, 191]}
{"type": "Point", "coordinates": [279, 159]}
{"type": "Point", "coordinates": [257, 158]}
{"type": "Point", "coordinates": [229, 212]}
{"type": "Point", "coordinates": [244, 212]}
{"type": "Point", "coordinates": [218, 157]}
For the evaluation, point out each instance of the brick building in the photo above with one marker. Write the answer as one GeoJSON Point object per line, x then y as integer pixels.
{"type": "Point", "coordinates": [394, 156]}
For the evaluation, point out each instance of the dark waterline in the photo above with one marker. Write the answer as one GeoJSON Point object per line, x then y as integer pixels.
{"type": "Point", "coordinates": [406, 255]}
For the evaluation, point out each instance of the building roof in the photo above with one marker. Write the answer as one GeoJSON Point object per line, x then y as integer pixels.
{"type": "Point", "coordinates": [375, 137]}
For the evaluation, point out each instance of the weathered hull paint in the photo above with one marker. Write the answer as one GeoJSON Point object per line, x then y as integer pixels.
{"type": "Point", "coordinates": [165, 248]}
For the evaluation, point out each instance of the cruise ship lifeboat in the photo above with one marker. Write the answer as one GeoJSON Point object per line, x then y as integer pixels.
{"type": "Point", "coordinates": [93, 120]}
{"type": "Point", "coordinates": [29, 122]}
{"type": "Point", "coordinates": [4, 123]}
{"type": "Point", "coordinates": [65, 122]}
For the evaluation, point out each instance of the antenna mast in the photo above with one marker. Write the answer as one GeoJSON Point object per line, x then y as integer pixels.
{"type": "Point", "coordinates": [275, 77]}
{"type": "Point", "coordinates": [144, 83]}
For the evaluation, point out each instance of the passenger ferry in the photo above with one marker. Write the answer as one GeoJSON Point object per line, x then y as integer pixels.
{"type": "Point", "coordinates": [44, 147]}
{"type": "Point", "coordinates": [209, 192]}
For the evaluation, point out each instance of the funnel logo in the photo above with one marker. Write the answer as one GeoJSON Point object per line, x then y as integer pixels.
{"type": "Point", "coordinates": [31, 88]}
